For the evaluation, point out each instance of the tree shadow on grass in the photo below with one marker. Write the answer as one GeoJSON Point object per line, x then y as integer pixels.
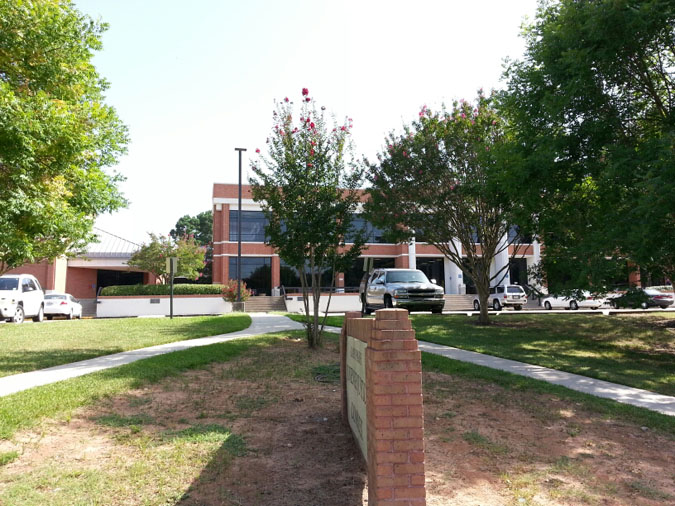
{"type": "Point", "coordinates": [301, 460]}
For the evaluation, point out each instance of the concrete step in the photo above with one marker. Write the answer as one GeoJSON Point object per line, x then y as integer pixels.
{"type": "Point", "coordinates": [88, 307]}
{"type": "Point", "coordinates": [458, 302]}
{"type": "Point", "coordinates": [264, 304]}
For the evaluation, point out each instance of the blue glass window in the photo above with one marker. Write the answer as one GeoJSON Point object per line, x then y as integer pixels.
{"type": "Point", "coordinates": [253, 225]}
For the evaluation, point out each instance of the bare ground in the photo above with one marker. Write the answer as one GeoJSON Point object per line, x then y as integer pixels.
{"type": "Point", "coordinates": [484, 445]}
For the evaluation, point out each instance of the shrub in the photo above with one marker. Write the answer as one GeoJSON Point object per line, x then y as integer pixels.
{"type": "Point", "coordinates": [178, 289]}
{"type": "Point", "coordinates": [229, 291]}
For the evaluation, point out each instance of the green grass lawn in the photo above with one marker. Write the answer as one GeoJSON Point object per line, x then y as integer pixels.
{"type": "Point", "coordinates": [630, 350]}
{"type": "Point", "coordinates": [32, 346]}
{"type": "Point", "coordinates": [331, 321]}
{"type": "Point", "coordinates": [637, 351]}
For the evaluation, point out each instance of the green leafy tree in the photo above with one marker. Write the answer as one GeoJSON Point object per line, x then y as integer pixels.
{"type": "Point", "coordinates": [308, 188]}
{"type": "Point", "coordinates": [199, 227]}
{"type": "Point", "coordinates": [56, 133]}
{"type": "Point", "coordinates": [434, 181]}
{"type": "Point", "coordinates": [152, 257]}
{"type": "Point", "coordinates": [591, 109]}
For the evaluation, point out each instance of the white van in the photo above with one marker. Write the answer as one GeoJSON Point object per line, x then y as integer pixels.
{"type": "Point", "coordinates": [21, 297]}
{"type": "Point", "coordinates": [504, 296]}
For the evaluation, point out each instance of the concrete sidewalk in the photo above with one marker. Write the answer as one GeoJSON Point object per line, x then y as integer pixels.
{"type": "Point", "coordinates": [262, 323]}
{"type": "Point", "coordinates": [620, 393]}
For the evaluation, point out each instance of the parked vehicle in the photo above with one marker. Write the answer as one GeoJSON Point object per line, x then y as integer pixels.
{"type": "Point", "coordinates": [504, 296]}
{"type": "Point", "coordinates": [21, 297]}
{"type": "Point", "coordinates": [641, 298]}
{"type": "Point", "coordinates": [62, 304]}
{"type": "Point", "coordinates": [405, 288]}
{"type": "Point", "coordinates": [586, 301]}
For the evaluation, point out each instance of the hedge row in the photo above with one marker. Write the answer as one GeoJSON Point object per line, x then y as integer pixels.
{"type": "Point", "coordinates": [178, 289]}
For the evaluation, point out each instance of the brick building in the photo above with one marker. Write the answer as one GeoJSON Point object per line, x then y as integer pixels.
{"type": "Point", "coordinates": [262, 269]}
{"type": "Point", "coordinates": [103, 264]}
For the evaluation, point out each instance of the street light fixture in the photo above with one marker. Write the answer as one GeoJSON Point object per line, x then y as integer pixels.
{"type": "Point", "coordinates": [239, 231]}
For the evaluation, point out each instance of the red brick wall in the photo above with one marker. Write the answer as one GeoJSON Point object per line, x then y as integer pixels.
{"type": "Point", "coordinates": [394, 406]}
{"type": "Point", "coordinates": [81, 283]}
{"type": "Point", "coordinates": [44, 272]}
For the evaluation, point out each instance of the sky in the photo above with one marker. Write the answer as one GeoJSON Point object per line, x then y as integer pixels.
{"type": "Point", "coordinates": [195, 80]}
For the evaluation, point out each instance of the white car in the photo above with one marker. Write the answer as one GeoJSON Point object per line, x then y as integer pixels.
{"type": "Point", "coordinates": [62, 304]}
{"type": "Point", "coordinates": [559, 302]}
{"type": "Point", "coordinates": [21, 297]}
{"type": "Point", "coordinates": [504, 296]}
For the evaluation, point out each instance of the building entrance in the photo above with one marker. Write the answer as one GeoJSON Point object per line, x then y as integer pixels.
{"type": "Point", "coordinates": [433, 268]}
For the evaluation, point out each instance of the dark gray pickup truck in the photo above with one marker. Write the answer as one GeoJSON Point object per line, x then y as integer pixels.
{"type": "Point", "coordinates": [405, 288]}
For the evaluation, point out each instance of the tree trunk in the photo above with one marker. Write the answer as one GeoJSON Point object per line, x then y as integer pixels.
{"type": "Point", "coordinates": [484, 299]}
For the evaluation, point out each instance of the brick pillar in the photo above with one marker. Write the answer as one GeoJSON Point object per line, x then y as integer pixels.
{"type": "Point", "coordinates": [395, 414]}
{"type": "Point", "coordinates": [276, 271]}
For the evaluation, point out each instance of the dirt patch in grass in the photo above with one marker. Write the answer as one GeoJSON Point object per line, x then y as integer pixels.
{"type": "Point", "coordinates": [261, 430]}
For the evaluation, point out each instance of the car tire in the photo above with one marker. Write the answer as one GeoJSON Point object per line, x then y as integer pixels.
{"type": "Point", "coordinates": [496, 305]}
{"type": "Point", "coordinates": [40, 316]}
{"type": "Point", "coordinates": [518, 308]}
{"type": "Point", "coordinates": [614, 305]}
{"type": "Point", "coordinates": [476, 305]}
{"type": "Point", "coordinates": [573, 305]}
{"type": "Point", "coordinates": [644, 305]}
{"type": "Point", "coordinates": [19, 316]}
{"type": "Point", "coordinates": [70, 315]}
{"type": "Point", "coordinates": [387, 302]}
{"type": "Point", "coordinates": [50, 317]}
{"type": "Point", "coordinates": [547, 306]}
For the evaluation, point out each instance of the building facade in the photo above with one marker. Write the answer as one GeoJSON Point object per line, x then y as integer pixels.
{"type": "Point", "coordinates": [263, 271]}
{"type": "Point", "coordinates": [103, 264]}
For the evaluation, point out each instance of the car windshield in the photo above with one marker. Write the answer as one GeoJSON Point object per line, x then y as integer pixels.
{"type": "Point", "coordinates": [406, 277]}
{"type": "Point", "coordinates": [515, 289]}
{"type": "Point", "coordinates": [9, 283]}
{"type": "Point", "coordinates": [55, 297]}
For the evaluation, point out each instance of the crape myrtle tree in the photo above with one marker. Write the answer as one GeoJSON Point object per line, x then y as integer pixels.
{"type": "Point", "coordinates": [152, 257]}
{"type": "Point", "coordinates": [307, 185]}
{"type": "Point", "coordinates": [591, 108]}
{"type": "Point", "coordinates": [200, 228]}
{"type": "Point", "coordinates": [56, 133]}
{"type": "Point", "coordinates": [433, 181]}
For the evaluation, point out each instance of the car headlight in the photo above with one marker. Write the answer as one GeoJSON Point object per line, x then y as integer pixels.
{"type": "Point", "coordinates": [401, 291]}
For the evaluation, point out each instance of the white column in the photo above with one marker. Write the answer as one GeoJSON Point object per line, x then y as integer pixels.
{"type": "Point", "coordinates": [412, 254]}
{"type": "Point", "coordinates": [501, 260]}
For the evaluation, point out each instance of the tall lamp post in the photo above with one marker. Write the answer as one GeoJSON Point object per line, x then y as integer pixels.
{"type": "Point", "coordinates": [239, 231]}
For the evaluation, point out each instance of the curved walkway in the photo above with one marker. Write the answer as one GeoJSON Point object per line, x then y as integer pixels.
{"type": "Point", "coordinates": [261, 324]}
{"type": "Point", "coordinates": [620, 393]}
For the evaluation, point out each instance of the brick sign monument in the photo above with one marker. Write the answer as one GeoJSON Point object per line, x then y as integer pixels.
{"type": "Point", "coordinates": [381, 375]}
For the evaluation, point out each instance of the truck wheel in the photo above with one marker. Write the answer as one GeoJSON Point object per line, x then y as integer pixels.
{"type": "Point", "coordinates": [365, 310]}
{"type": "Point", "coordinates": [19, 316]}
{"type": "Point", "coordinates": [40, 316]}
{"type": "Point", "coordinates": [387, 302]}
{"type": "Point", "coordinates": [496, 305]}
